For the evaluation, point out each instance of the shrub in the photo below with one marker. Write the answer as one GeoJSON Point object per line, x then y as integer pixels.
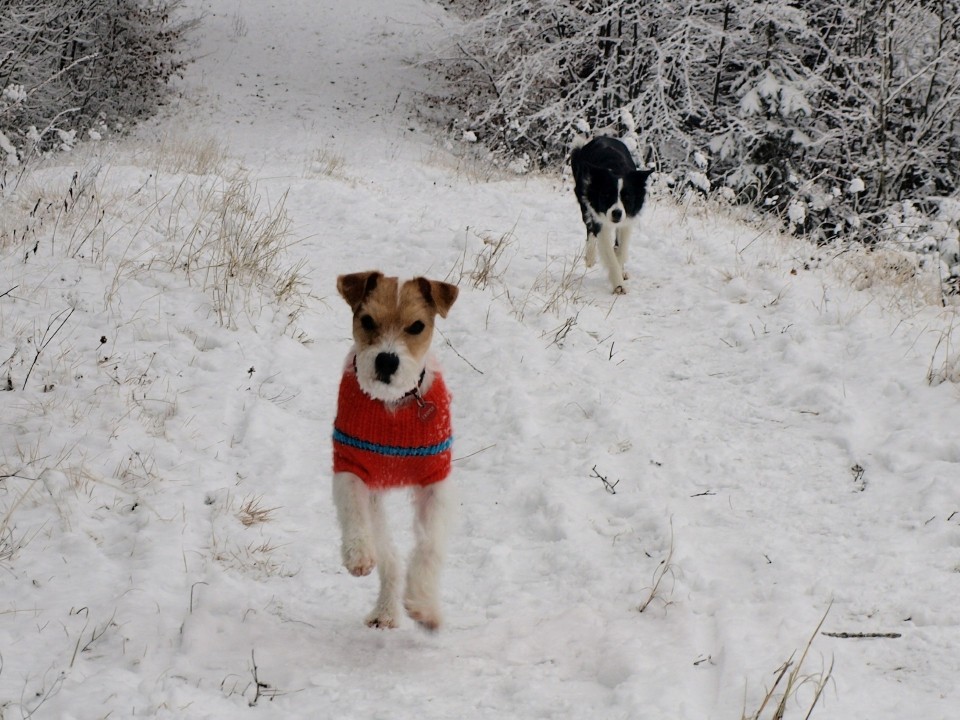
{"type": "Point", "coordinates": [75, 67]}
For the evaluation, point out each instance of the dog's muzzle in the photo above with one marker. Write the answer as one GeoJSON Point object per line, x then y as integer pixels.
{"type": "Point", "coordinates": [385, 365]}
{"type": "Point", "coordinates": [616, 215]}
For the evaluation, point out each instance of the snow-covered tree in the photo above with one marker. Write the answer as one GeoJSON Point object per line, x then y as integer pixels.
{"type": "Point", "coordinates": [789, 102]}
{"type": "Point", "coordinates": [77, 67]}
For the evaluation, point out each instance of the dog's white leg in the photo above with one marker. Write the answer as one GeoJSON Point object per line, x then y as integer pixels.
{"type": "Point", "coordinates": [432, 506]}
{"type": "Point", "coordinates": [610, 260]}
{"type": "Point", "coordinates": [590, 256]}
{"type": "Point", "coordinates": [623, 246]}
{"type": "Point", "coordinates": [352, 500]}
{"type": "Point", "coordinates": [385, 614]}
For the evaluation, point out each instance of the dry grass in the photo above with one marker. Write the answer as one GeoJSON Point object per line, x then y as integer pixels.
{"type": "Point", "coordinates": [664, 569]}
{"type": "Point", "coordinates": [887, 268]}
{"type": "Point", "coordinates": [237, 539]}
{"type": "Point", "coordinates": [221, 234]}
{"type": "Point", "coordinates": [252, 513]}
{"type": "Point", "coordinates": [235, 249]}
{"type": "Point", "coordinates": [325, 162]}
{"type": "Point", "coordinates": [487, 262]}
{"type": "Point", "coordinates": [555, 291]}
{"type": "Point", "coordinates": [40, 215]}
{"type": "Point", "coordinates": [790, 680]}
{"type": "Point", "coordinates": [182, 154]}
{"type": "Point", "coordinates": [468, 161]}
{"type": "Point", "coordinates": [945, 361]}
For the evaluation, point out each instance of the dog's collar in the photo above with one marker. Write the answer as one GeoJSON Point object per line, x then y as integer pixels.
{"type": "Point", "coordinates": [416, 391]}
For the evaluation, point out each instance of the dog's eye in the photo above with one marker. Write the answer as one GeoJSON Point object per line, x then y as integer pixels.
{"type": "Point", "coordinates": [416, 328]}
{"type": "Point", "coordinates": [367, 323]}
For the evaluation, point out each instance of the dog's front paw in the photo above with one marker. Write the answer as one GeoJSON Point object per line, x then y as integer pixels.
{"type": "Point", "coordinates": [359, 560]}
{"type": "Point", "coordinates": [382, 619]}
{"type": "Point", "coordinates": [426, 615]}
{"type": "Point", "coordinates": [620, 290]}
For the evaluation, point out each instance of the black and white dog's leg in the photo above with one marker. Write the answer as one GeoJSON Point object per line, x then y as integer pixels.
{"type": "Point", "coordinates": [386, 612]}
{"type": "Point", "coordinates": [590, 255]}
{"type": "Point", "coordinates": [352, 500]}
{"type": "Point", "coordinates": [608, 253]}
{"type": "Point", "coordinates": [593, 228]}
{"type": "Point", "coordinates": [432, 506]}
{"type": "Point", "coordinates": [623, 247]}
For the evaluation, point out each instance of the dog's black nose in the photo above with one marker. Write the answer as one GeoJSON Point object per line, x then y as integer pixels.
{"type": "Point", "coordinates": [386, 365]}
{"type": "Point", "coordinates": [616, 215]}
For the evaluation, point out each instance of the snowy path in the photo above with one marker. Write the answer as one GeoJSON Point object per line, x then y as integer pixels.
{"type": "Point", "coordinates": [730, 395]}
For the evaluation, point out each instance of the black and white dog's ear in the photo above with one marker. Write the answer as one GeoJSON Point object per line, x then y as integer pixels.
{"type": "Point", "coordinates": [355, 287]}
{"type": "Point", "coordinates": [637, 181]}
{"type": "Point", "coordinates": [639, 177]}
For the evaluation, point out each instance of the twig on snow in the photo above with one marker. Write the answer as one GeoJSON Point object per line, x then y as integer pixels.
{"type": "Point", "coordinates": [607, 485]}
{"type": "Point", "coordinates": [44, 341]}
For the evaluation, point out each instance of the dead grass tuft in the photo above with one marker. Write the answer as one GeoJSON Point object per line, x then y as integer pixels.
{"type": "Point", "coordinates": [945, 361]}
{"type": "Point", "coordinates": [252, 513]}
{"type": "Point", "coordinates": [790, 679]}
{"type": "Point", "coordinates": [324, 162]}
{"type": "Point", "coordinates": [664, 569]}
{"type": "Point", "coordinates": [486, 262]}
{"type": "Point", "coordinates": [236, 249]}
{"type": "Point", "coordinates": [179, 154]}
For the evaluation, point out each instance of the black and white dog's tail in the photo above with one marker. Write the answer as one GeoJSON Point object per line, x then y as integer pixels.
{"type": "Point", "coordinates": [578, 142]}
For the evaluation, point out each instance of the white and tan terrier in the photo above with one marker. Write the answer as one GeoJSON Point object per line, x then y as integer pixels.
{"type": "Point", "coordinates": [393, 430]}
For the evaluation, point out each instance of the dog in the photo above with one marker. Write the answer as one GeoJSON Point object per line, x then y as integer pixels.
{"type": "Point", "coordinates": [393, 430]}
{"type": "Point", "coordinates": [611, 192]}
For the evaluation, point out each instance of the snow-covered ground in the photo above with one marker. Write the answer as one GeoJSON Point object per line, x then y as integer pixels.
{"type": "Point", "coordinates": [168, 547]}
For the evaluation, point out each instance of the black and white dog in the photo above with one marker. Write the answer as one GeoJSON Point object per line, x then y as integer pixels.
{"type": "Point", "coordinates": [611, 192]}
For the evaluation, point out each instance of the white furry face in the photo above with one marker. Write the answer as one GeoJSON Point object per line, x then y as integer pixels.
{"type": "Point", "coordinates": [383, 353]}
{"type": "Point", "coordinates": [392, 329]}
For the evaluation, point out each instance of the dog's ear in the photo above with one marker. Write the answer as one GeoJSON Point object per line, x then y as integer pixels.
{"type": "Point", "coordinates": [640, 177]}
{"type": "Point", "coordinates": [439, 295]}
{"type": "Point", "coordinates": [355, 287]}
{"type": "Point", "coordinates": [637, 180]}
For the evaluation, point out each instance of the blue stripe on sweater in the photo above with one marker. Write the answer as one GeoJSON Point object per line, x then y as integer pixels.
{"type": "Point", "coordinates": [392, 450]}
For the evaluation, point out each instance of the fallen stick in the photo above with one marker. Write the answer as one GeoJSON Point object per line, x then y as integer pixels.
{"type": "Point", "coordinates": [847, 636]}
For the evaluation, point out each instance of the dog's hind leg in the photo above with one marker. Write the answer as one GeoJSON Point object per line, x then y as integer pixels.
{"type": "Point", "coordinates": [352, 500]}
{"type": "Point", "coordinates": [593, 227]}
{"type": "Point", "coordinates": [385, 614]}
{"type": "Point", "coordinates": [432, 506]}
{"type": "Point", "coordinates": [611, 260]}
{"type": "Point", "coordinates": [590, 255]}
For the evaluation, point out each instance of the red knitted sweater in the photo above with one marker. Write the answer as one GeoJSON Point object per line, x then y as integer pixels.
{"type": "Point", "coordinates": [390, 447]}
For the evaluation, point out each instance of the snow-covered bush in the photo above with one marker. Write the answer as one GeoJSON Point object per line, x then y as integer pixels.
{"type": "Point", "coordinates": [842, 109]}
{"type": "Point", "coordinates": [74, 68]}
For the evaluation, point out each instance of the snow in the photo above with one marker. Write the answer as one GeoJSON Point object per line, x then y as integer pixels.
{"type": "Point", "coordinates": [780, 95]}
{"type": "Point", "coordinates": [6, 146]}
{"type": "Point", "coordinates": [168, 547]}
{"type": "Point", "coordinates": [698, 180]}
{"type": "Point", "coordinates": [797, 212]}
